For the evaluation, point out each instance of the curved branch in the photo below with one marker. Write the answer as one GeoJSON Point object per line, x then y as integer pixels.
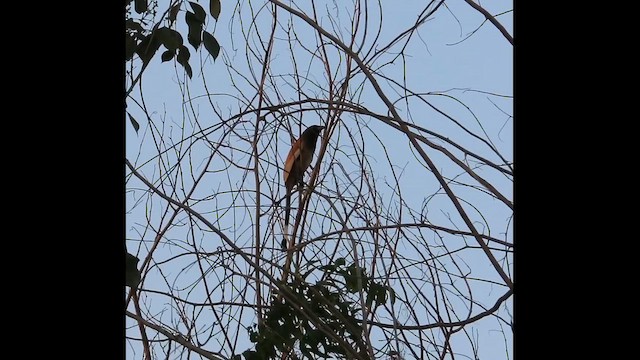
{"type": "Point", "coordinates": [477, 317]}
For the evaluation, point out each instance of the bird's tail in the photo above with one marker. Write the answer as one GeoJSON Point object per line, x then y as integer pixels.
{"type": "Point", "coordinates": [287, 209]}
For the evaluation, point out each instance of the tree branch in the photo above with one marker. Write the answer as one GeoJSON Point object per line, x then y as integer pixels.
{"type": "Point", "coordinates": [177, 338]}
{"type": "Point", "coordinates": [492, 19]}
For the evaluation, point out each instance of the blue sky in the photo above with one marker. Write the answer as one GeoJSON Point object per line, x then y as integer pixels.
{"type": "Point", "coordinates": [470, 80]}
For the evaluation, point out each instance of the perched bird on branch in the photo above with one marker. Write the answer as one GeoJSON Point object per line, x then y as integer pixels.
{"type": "Point", "coordinates": [298, 160]}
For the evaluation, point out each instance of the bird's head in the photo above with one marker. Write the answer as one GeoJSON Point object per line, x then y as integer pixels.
{"type": "Point", "coordinates": [312, 132]}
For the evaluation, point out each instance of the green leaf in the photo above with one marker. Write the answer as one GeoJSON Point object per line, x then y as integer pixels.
{"type": "Point", "coordinates": [340, 261]}
{"type": "Point", "coordinates": [352, 285]}
{"type": "Point", "coordinates": [253, 337]}
{"type": "Point", "coordinates": [170, 38]}
{"type": "Point", "coordinates": [351, 278]}
{"type": "Point", "coordinates": [211, 44]}
{"type": "Point", "coordinates": [135, 124]}
{"type": "Point", "coordinates": [214, 8]}
{"type": "Point", "coordinates": [132, 274]}
{"type": "Point", "coordinates": [199, 12]}
{"type": "Point", "coordinates": [380, 294]}
{"type": "Point", "coordinates": [141, 6]}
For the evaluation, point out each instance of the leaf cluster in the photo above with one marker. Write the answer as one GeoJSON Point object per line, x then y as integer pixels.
{"type": "Point", "coordinates": [145, 42]}
{"type": "Point", "coordinates": [332, 330]}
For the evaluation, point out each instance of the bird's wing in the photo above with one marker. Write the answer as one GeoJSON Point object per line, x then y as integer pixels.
{"type": "Point", "coordinates": [294, 154]}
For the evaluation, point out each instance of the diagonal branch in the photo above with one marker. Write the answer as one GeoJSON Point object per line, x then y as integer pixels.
{"type": "Point", "coordinates": [177, 338]}
{"type": "Point", "coordinates": [492, 19]}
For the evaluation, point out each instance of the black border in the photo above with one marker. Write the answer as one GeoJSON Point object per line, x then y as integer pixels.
{"type": "Point", "coordinates": [71, 185]}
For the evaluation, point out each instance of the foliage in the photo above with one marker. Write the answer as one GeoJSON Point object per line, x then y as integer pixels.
{"type": "Point", "coordinates": [145, 41]}
{"type": "Point", "coordinates": [319, 319]}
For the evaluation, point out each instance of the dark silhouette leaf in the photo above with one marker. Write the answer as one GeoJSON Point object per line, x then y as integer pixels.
{"type": "Point", "coordinates": [173, 14]}
{"type": "Point", "coordinates": [183, 59]}
{"type": "Point", "coordinates": [392, 295]}
{"type": "Point", "coordinates": [133, 26]}
{"type": "Point", "coordinates": [187, 68]}
{"type": "Point", "coordinates": [253, 336]}
{"type": "Point", "coordinates": [198, 11]}
{"type": "Point", "coordinates": [382, 296]}
{"type": "Point", "coordinates": [194, 35]}
{"type": "Point", "coordinates": [214, 8]}
{"type": "Point", "coordinates": [167, 55]}
{"type": "Point", "coordinates": [135, 124]}
{"type": "Point", "coordinates": [250, 355]}
{"type": "Point", "coordinates": [370, 296]}
{"type": "Point", "coordinates": [170, 38]}
{"type": "Point", "coordinates": [183, 54]}
{"type": "Point", "coordinates": [148, 47]}
{"type": "Point", "coordinates": [211, 44]}
{"type": "Point", "coordinates": [130, 47]}
{"type": "Point", "coordinates": [192, 19]}
{"type": "Point", "coordinates": [141, 6]}
{"type": "Point", "coordinates": [132, 274]}
{"type": "Point", "coordinates": [377, 294]}
{"type": "Point", "coordinates": [351, 279]}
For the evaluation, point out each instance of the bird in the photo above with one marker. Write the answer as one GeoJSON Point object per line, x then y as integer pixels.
{"type": "Point", "coordinates": [297, 162]}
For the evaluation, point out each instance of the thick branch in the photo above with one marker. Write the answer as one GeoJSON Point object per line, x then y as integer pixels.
{"type": "Point", "coordinates": [492, 19]}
